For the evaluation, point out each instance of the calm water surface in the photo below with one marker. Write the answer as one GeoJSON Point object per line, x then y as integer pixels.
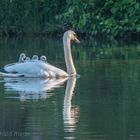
{"type": "Point", "coordinates": [103, 104]}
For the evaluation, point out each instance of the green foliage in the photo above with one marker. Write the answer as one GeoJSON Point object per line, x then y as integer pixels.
{"type": "Point", "coordinates": [109, 18]}
{"type": "Point", "coordinates": [103, 17]}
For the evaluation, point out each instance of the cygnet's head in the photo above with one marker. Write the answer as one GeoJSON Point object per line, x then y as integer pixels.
{"type": "Point", "coordinates": [22, 55]}
{"type": "Point", "coordinates": [71, 35]}
{"type": "Point", "coordinates": [27, 58]}
{"type": "Point", "coordinates": [35, 57]}
{"type": "Point", "coordinates": [43, 58]}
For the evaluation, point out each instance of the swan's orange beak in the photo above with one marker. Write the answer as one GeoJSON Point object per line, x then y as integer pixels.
{"type": "Point", "coordinates": [76, 40]}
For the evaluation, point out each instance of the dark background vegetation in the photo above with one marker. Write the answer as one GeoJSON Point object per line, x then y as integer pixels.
{"type": "Point", "coordinates": [91, 18]}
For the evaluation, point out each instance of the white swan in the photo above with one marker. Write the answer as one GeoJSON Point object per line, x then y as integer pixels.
{"type": "Point", "coordinates": [42, 69]}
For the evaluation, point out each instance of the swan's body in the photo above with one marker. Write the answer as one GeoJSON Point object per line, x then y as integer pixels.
{"type": "Point", "coordinates": [36, 69]}
{"type": "Point", "coordinates": [39, 68]}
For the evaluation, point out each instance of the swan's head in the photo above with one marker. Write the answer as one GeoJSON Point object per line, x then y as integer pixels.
{"type": "Point", "coordinates": [35, 57]}
{"type": "Point", "coordinates": [71, 35]}
{"type": "Point", "coordinates": [43, 58]}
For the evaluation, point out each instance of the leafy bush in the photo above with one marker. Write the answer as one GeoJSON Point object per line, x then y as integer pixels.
{"type": "Point", "coordinates": [104, 18]}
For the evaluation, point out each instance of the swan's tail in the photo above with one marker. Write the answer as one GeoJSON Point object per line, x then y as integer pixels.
{"type": "Point", "coordinates": [2, 74]}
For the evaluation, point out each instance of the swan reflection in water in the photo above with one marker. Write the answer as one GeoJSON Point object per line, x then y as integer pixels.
{"type": "Point", "coordinates": [32, 88]}
{"type": "Point", "coordinates": [36, 88]}
{"type": "Point", "coordinates": [70, 112]}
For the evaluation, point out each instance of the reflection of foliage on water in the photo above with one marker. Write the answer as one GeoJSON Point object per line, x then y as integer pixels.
{"type": "Point", "coordinates": [11, 48]}
{"type": "Point", "coordinates": [92, 51]}
{"type": "Point", "coordinates": [107, 93]}
{"type": "Point", "coordinates": [53, 49]}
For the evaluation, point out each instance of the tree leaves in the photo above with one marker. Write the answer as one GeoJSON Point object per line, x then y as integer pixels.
{"type": "Point", "coordinates": [108, 18]}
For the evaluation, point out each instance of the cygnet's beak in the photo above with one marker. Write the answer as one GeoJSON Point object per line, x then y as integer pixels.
{"type": "Point", "coordinates": [76, 40]}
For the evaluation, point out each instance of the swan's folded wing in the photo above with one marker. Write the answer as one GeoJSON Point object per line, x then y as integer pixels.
{"type": "Point", "coordinates": [27, 67]}
{"type": "Point", "coordinates": [50, 68]}
{"type": "Point", "coordinates": [34, 68]}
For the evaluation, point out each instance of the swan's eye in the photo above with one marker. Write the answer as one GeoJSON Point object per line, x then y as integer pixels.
{"type": "Point", "coordinates": [76, 38]}
{"type": "Point", "coordinates": [75, 35]}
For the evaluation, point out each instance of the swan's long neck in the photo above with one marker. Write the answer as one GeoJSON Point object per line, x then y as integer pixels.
{"type": "Point", "coordinates": [68, 56]}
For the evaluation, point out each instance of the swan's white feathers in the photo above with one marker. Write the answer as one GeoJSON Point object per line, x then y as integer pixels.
{"type": "Point", "coordinates": [35, 69]}
{"type": "Point", "coordinates": [38, 68]}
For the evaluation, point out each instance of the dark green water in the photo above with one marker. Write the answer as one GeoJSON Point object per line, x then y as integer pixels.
{"type": "Point", "coordinates": [103, 104]}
